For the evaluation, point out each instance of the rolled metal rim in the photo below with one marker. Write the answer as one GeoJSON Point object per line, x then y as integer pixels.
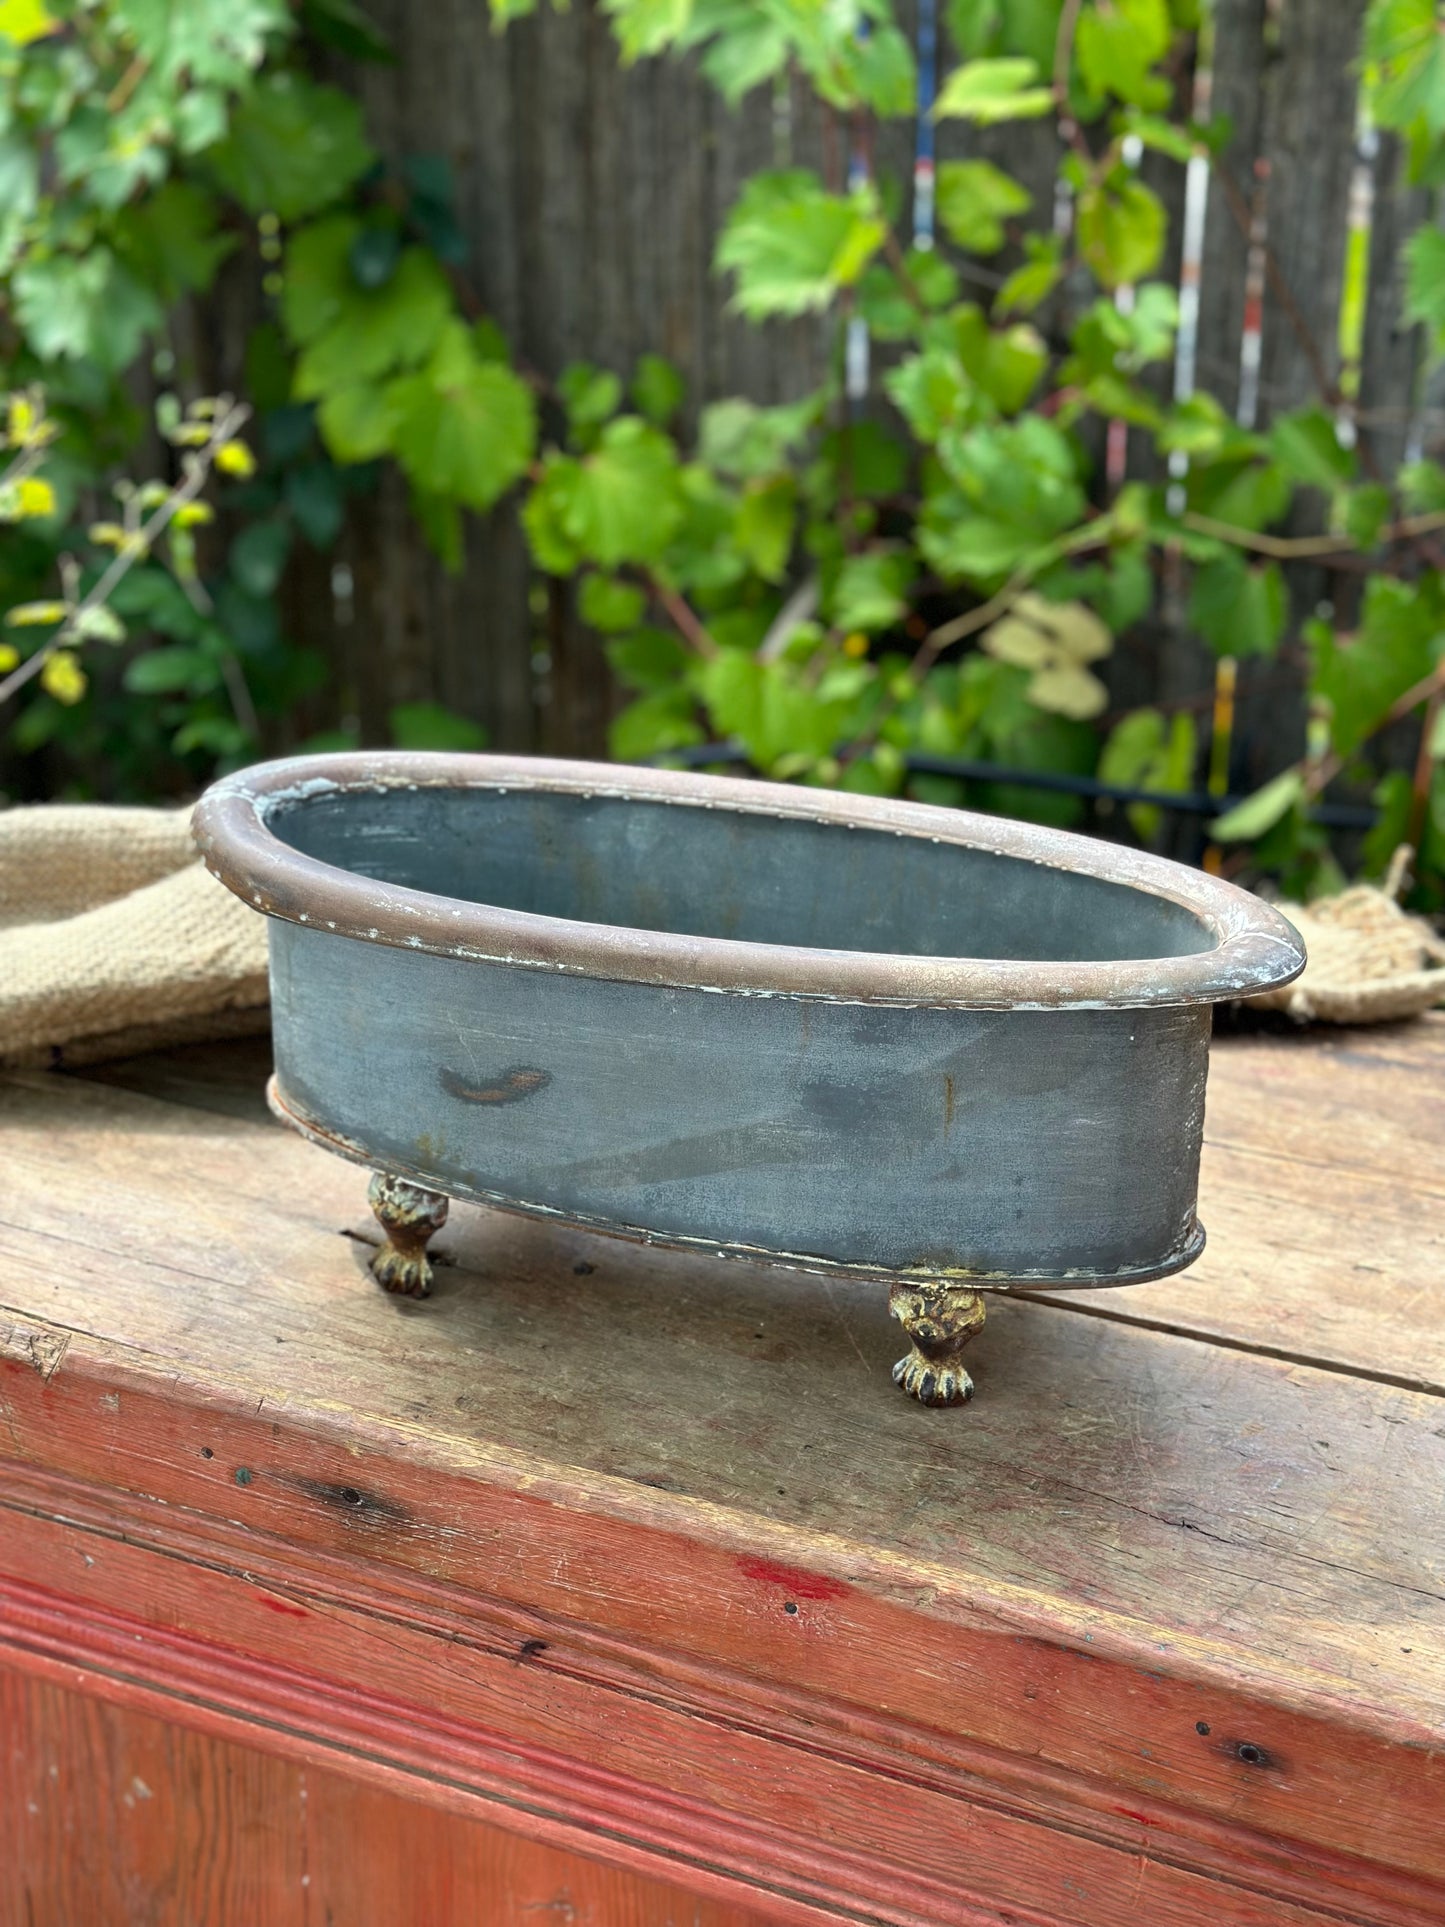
{"type": "Point", "coordinates": [1254, 948]}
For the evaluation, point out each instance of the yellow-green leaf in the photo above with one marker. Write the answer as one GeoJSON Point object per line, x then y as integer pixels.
{"type": "Point", "coordinates": [986, 91]}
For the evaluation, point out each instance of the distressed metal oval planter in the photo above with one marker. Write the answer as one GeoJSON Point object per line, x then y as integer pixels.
{"type": "Point", "coordinates": [947, 1051]}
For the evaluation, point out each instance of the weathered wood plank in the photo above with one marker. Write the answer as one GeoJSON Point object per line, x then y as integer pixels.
{"type": "Point", "coordinates": [1323, 1192]}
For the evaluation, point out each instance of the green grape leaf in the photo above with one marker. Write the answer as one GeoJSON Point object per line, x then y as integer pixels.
{"type": "Point", "coordinates": [1238, 609]}
{"type": "Point", "coordinates": [1403, 38]}
{"type": "Point", "coordinates": [172, 239]}
{"type": "Point", "coordinates": [763, 530]}
{"type": "Point", "coordinates": [316, 284]}
{"type": "Point", "coordinates": [1396, 646]}
{"type": "Point", "coordinates": [658, 390]}
{"type": "Point", "coordinates": [342, 24]}
{"type": "Point", "coordinates": [791, 245]}
{"type": "Point", "coordinates": [377, 330]}
{"type": "Point", "coordinates": [439, 518]}
{"type": "Point", "coordinates": [1197, 427]}
{"type": "Point", "coordinates": [1425, 277]}
{"type": "Point", "coordinates": [1028, 287]}
{"type": "Point", "coordinates": [879, 72]}
{"type": "Point", "coordinates": [646, 26]}
{"type": "Point", "coordinates": [865, 460]}
{"type": "Point", "coordinates": [1422, 487]}
{"type": "Point", "coordinates": [177, 667]}
{"type": "Point", "coordinates": [543, 513]}
{"type": "Point", "coordinates": [653, 725]}
{"type": "Point", "coordinates": [294, 147]}
{"type": "Point", "coordinates": [1117, 42]}
{"type": "Point", "coordinates": [207, 41]}
{"type": "Point", "coordinates": [1146, 750]}
{"type": "Point", "coordinates": [772, 710]}
{"type": "Point", "coordinates": [1307, 447]}
{"type": "Point", "coordinates": [87, 308]}
{"type": "Point", "coordinates": [1179, 143]}
{"type": "Point", "coordinates": [1005, 363]}
{"type": "Point", "coordinates": [1261, 812]}
{"type": "Point", "coordinates": [1368, 509]}
{"type": "Point", "coordinates": [1018, 486]}
{"type": "Point", "coordinates": [374, 254]}
{"type": "Point", "coordinates": [461, 427]}
{"type": "Point", "coordinates": [751, 48]}
{"type": "Point", "coordinates": [1122, 229]}
{"type": "Point", "coordinates": [869, 593]}
{"type": "Point", "coordinates": [356, 422]}
{"type": "Point", "coordinates": [975, 199]}
{"type": "Point", "coordinates": [1394, 798]}
{"type": "Point", "coordinates": [610, 605]}
{"type": "Point", "coordinates": [620, 504]}
{"type": "Point", "coordinates": [935, 281]}
{"type": "Point", "coordinates": [648, 659]}
{"type": "Point", "coordinates": [988, 91]}
{"type": "Point", "coordinates": [741, 440]}
{"type": "Point", "coordinates": [268, 369]}
{"type": "Point", "coordinates": [590, 396]}
{"type": "Point", "coordinates": [1243, 497]}
{"type": "Point", "coordinates": [882, 303]}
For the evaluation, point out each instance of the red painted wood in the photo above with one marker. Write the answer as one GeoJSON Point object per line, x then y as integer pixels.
{"type": "Point", "coordinates": [116, 1818]}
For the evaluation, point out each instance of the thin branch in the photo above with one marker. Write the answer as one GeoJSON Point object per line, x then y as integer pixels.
{"type": "Point", "coordinates": [893, 253]}
{"type": "Point", "coordinates": [198, 467]}
{"type": "Point", "coordinates": [690, 625]}
{"type": "Point", "coordinates": [1063, 60]}
{"type": "Point", "coordinates": [1420, 781]}
{"type": "Point", "coordinates": [127, 84]}
{"type": "Point", "coordinates": [237, 688]}
{"type": "Point", "coordinates": [968, 624]}
{"type": "Point", "coordinates": [1288, 548]}
{"type": "Point", "coordinates": [1317, 775]}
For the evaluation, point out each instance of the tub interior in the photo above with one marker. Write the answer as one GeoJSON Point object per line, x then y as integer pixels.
{"type": "Point", "coordinates": [731, 873]}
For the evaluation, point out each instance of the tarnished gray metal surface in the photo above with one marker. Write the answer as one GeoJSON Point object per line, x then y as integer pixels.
{"type": "Point", "coordinates": [827, 1030]}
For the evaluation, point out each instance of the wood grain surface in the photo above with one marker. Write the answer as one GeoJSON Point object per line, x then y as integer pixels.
{"type": "Point", "coordinates": [115, 1818]}
{"type": "Point", "coordinates": [643, 1555]}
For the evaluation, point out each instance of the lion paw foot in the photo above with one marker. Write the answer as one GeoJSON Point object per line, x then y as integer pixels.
{"type": "Point", "coordinates": [931, 1383]}
{"type": "Point", "coordinates": [410, 1216]}
{"type": "Point", "coordinates": [940, 1319]}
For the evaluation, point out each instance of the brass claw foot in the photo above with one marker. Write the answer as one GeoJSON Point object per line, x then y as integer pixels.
{"type": "Point", "coordinates": [409, 1216]}
{"type": "Point", "coordinates": [940, 1319]}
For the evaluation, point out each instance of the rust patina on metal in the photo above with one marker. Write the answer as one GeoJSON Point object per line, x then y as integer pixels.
{"type": "Point", "coordinates": [858, 1036]}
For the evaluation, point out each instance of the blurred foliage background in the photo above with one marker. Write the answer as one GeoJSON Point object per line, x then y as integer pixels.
{"type": "Point", "coordinates": [973, 525]}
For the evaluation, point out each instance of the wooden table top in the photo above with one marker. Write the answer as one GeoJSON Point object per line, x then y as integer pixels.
{"type": "Point", "coordinates": [1224, 1492]}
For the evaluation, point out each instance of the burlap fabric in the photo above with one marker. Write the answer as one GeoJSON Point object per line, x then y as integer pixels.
{"type": "Point", "coordinates": [1369, 962]}
{"type": "Point", "coordinates": [114, 939]}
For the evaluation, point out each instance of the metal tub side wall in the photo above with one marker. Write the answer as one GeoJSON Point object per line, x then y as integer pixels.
{"type": "Point", "coordinates": [1013, 1146]}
